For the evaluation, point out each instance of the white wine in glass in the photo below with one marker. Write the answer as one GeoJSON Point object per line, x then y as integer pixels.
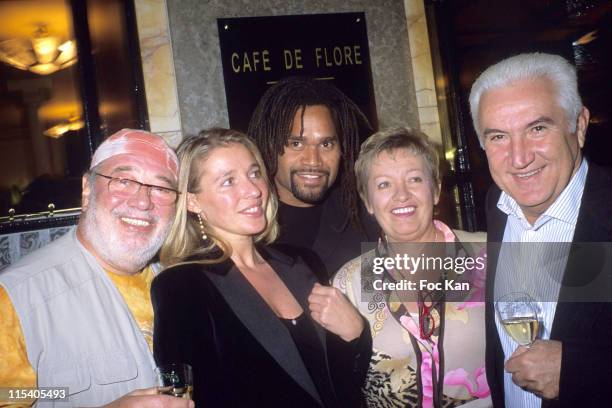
{"type": "Point", "coordinates": [177, 391]}
{"type": "Point", "coordinates": [518, 314]}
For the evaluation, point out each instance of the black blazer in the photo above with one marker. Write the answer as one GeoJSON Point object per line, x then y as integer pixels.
{"type": "Point", "coordinates": [242, 355]}
{"type": "Point", "coordinates": [337, 241]}
{"type": "Point", "coordinates": [584, 328]}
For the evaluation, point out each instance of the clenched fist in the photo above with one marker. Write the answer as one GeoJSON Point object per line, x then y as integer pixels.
{"type": "Point", "coordinates": [332, 310]}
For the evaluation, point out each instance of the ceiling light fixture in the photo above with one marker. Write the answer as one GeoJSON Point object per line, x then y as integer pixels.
{"type": "Point", "coordinates": [74, 123]}
{"type": "Point", "coordinates": [42, 54]}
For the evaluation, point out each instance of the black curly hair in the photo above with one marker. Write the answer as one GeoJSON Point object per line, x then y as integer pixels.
{"type": "Point", "coordinates": [272, 120]}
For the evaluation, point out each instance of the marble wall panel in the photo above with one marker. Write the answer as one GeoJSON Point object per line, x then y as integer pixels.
{"type": "Point", "coordinates": [422, 68]}
{"type": "Point", "coordinates": [158, 68]}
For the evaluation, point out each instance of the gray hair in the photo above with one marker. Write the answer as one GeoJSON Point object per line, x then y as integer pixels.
{"type": "Point", "coordinates": [525, 66]}
{"type": "Point", "coordinates": [398, 138]}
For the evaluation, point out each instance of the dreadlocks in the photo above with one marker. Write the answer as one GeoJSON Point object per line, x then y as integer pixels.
{"type": "Point", "coordinates": [271, 124]}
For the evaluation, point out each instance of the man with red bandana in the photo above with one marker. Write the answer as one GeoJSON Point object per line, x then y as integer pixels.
{"type": "Point", "coordinates": [77, 313]}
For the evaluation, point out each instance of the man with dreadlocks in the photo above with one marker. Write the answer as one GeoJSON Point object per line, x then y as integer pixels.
{"type": "Point", "coordinates": [308, 134]}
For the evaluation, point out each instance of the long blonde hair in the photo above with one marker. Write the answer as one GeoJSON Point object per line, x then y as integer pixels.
{"type": "Point", "coordinates": [185, 238]}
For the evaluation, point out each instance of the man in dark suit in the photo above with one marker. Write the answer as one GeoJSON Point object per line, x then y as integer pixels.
{"type": "Point", "coordinates": [532, 125]}
{"type": "Point", "coordinates": [308, 134]}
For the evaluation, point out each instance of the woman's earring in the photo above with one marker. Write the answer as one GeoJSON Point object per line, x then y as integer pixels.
{"type": "Point", "coordinates": [204, 236]}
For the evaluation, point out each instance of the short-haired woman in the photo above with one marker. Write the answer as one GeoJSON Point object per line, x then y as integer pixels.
{"type": "Point", "coordinates": [427, 350]}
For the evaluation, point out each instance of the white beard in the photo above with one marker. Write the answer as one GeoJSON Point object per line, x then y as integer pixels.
{"type": "Point", "coordinates": [109, 245]}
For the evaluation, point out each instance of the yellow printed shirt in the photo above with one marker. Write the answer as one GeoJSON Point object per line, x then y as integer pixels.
{"type": "Point", "coordinates": [136, 292]}
{"type": "Point", "coordinates": [15, 368]}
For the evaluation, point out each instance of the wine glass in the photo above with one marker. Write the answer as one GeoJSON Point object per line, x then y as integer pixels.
{"type": "Point", "coordinates": [518, 313]}
{"type": "Point", "coordinates": [175, 379]}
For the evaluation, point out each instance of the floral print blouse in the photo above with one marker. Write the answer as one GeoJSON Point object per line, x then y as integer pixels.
{"type": "Point", "coordinates": [402, 376]}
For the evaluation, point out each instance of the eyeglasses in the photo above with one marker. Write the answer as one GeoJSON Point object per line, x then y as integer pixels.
{"type": "Point", "coordinates": [427, 323]}
{"type": "Point", "coordinates": [124, 187]}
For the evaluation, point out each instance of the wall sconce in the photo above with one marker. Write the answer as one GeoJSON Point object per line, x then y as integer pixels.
{"type": "Point", "coordinates": [42, 54]}
{"type": "Point", "coordinates": [73, 123]}
{"type": "Point", "coordinates": [586, 39]}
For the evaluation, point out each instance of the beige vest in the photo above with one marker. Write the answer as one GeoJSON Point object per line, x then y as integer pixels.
{"type": "Point", "coordinates": [79, 332]}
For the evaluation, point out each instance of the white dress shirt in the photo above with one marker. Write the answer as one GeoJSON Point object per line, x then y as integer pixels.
{"type": "Point", "coordinates": [532, 260]}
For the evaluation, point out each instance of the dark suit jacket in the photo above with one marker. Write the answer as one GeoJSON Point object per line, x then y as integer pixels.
{"type": "Point", "coordinates": [337, 242]}
{"type": "Point", "coordinates": [584, 328]}
{"type": "Point", "coordinates": [242, 355]}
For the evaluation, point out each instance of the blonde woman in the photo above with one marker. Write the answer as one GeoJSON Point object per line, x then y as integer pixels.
{"type": "Point", "coordinates": [254, 324]}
